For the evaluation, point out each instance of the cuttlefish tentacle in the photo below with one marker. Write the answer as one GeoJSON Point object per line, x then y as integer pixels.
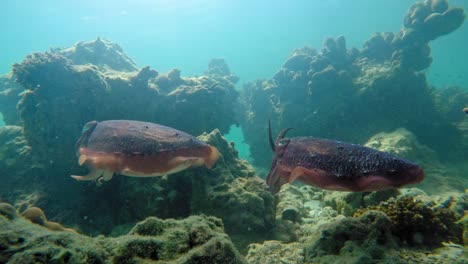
{"type": "Point", "coordinates": [91, 176]}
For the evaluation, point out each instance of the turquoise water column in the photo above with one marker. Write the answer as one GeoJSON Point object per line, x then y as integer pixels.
{"type": "Point", "coordinates": [1, 120]}
{"type": "Point", "coordinates": [237, 136]}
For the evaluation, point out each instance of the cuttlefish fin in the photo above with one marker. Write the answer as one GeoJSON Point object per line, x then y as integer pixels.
{"type": "Point", "coordinates": [92, 175]}
{"type": "Point", "coordinates": [211, 159]}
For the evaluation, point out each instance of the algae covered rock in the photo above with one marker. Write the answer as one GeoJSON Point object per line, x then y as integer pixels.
{"type": "Point", "coordinates": [291, 204]}
{"type": "Point", "coordinates": [230, 191]}
{"type": "Point", "coordinates": [329, 93]}
{"type": "Point", "coordinates": [63, 89]}
{"type": "Point", "coordinates": [9, 96]}
{"type": "Point", "coordinates": [16, 156]}
{"type": "Point", "coordinates": [197, 239]}
{"type": "Point", "coordinates": [416, 223]}
{"type": "Point", "coordinates": [358, 240]}
{"type": "Point", "coordinates": [7, 210]}
{"type": "Point", "coordinates": [66, 88]}
{"type": "Point", "coordinates": [346, 203]}
{"type": "Point", "coordinates": [275, 252]}
{"type": "Point", "coordinates": [101, 53]}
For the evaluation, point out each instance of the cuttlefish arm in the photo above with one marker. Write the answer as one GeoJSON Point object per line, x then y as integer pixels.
{"type": "Point", "coordinates": [94, 174]}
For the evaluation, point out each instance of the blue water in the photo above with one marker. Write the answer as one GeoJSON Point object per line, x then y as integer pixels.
{"type": "Point", "coordinates": [254, 37]}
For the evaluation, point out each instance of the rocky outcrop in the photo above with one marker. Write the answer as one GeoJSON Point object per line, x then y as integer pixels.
{"type": "Point", "coordinates": [349, 94]}
{"type": "Point", "coordinates": [197, 239]}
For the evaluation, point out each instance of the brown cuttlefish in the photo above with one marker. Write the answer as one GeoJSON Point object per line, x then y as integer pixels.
{"type": "Point", "coordinates": [138, 149]}
{"type": "Point", "coordinates": [337, 166]}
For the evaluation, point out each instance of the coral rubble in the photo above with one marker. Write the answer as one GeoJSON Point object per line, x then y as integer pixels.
{"type": "Point", "coordinates": [398, 227]}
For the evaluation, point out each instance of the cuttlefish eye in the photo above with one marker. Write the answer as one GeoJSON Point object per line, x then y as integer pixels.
{"type": "Point", "coordinates": [283, 142]}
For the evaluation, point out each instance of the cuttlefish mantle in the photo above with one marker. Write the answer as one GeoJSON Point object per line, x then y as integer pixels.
{"type": "Point", "coordinates": [338, 166]}
{"type": "Point", "coordinates": [138, 149]}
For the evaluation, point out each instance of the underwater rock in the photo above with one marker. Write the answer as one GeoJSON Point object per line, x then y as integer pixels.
{"type": "Point", "coordinates": [9, 96]}
{"type": "Point", "coordinates": [143, 77]}
{"type": "Point", "coordinates": [60, 96]}
{"type": "Point", "coordinates": [203, 104]}
{"type": "Point", "coordinates": [437, 24]}
{"type": "Point", "coordinates": [359, 240]}
{"type": "Point", "coordinates": [438, 6]}
{"type": "Point", "coordinates": [449, 101]}
{"type": "Point", "coordinates": [230, 191]}
{"type": "Point", "coordinates": [8, 210]}
{"type": "Point", "coordinates": [55, 87]}
{"type": "Point", "coordinates": [275, 252]}
{"type": "Point", "coordinates": [346, 203]}
{"type": "Point", "coordinates": [197, 239]}
{"type": "Point", "coordinates": [233, 165]}
{"type": "Point", "coordinates": [379, 47]}
{"type": "Point", "coordinates": [246, 207]}
{"type": "Point", "coordinates": [291, 204]}
{"type": "Point", "coordinates": [37, 216]}
{"type": "Point", "coordinates": [432, 19]}
{"type": "Point", "coordinates": [326, 237]}
{"type": "Point", "coordinates": [16, 156]}
{"type": "Point", "coordinates": [218, 69]}
{"type": "Point", "coordinates": [102, 53]}
{"type": "Point", "coordinates": [328, 94]}
{"type": "Point", "coordinates": [417, 224]}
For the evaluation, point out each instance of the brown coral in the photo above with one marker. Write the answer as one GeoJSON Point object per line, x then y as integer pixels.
{"type": "Point", "coordinates": [37, 216]}
{"type": "Point", "coordinates": [7, 210]}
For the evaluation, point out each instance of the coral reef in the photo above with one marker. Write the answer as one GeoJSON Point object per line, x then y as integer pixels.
{"type": "Point", "coordinates": [21, 173]}
{"type": "Point", "coordinates": [9, 96]}
{"type": "Point", "coordinates": [65, 88]}
{"type": "Point", "coordinates": [415, 223]}
{"type": "Point", "coordinates": [347, 203]}
{"type": "Point", "coordinates": [197, 239]}
{"type": "Point", "coordinates": [275, 252]}
{"type": "Point", "coordinates": [326, 235]}
{"type": "Point", "coordinates": [230, 191]}
{"type": "Point", "coordinates": [101, 53]}
{"type": "Point", "coordinates": [16, 156]}
{"type": "Point", "coordinates": [433, 18]}
{"type": "Point", "coordinates": [218, 68]}
{"type": "Point", "coordinates": [37, 216]}
{"type": "Point", "coordinates": [361, 240]}
{"type": "Point", "coordinates": [350, 95]}
{"type": "Point", "coordinates": [8, 210]}
{"type": "Point", "coordinates": [53, 110]}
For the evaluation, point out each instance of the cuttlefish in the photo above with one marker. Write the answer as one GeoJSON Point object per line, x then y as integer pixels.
{"type": "Point", "coordinates": [337, 166]}
{"type": "Point", "coordinates": [138, 149]}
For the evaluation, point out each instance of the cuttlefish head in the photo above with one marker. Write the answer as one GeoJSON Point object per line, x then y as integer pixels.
{"type": "Point", "coordinates": [88, 129]}
{"type": "Point", "coordinates": [274, 179]}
